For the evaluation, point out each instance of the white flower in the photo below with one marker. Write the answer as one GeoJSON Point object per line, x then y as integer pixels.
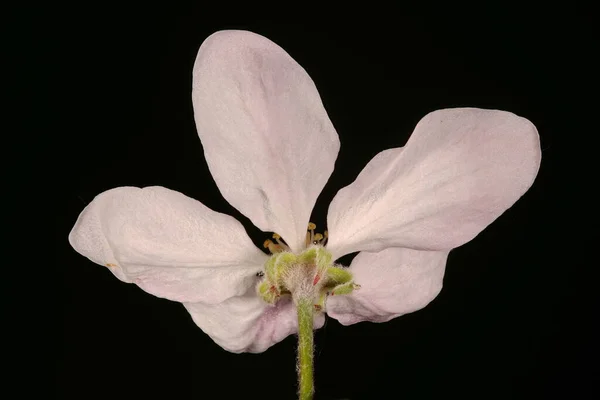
{"type": "Point", "coordinates": [271, 148]}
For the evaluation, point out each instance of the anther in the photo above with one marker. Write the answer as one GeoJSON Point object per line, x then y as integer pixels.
{"type": "Point", "coordinates": [317, 238]}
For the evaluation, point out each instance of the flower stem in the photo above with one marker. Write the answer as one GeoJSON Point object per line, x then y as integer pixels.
{"type": "Point", "coordinates": [305, 348]}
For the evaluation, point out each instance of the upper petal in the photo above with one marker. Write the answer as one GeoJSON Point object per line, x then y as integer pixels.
{"type": "Point", "coordinates": [247, 323]}
{"type": "Point", "coordinates": [268, 141]}
{"type": "Point", "coordinates": [170, 245]}
{"type": "Point", "coordinates": [394, 282]}
{"type": "Point", "coordinates": [459, 171]}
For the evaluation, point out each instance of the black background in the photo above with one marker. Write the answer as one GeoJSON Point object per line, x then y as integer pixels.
{"type": "Point", "coordinates": [509, 322]}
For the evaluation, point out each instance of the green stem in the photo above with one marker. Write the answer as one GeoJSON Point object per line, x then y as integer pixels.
{"type": "Point", "coordinates": [305, 348]}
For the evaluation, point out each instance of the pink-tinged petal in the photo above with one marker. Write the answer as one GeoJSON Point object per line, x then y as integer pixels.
{"type": "Point", "coordinates": [170, 245]}
{"type": "Point", "coordinates": [458, 172]}
{"type": "Point", "coordinates": [267, 139]}
{"type": "Point", "coordinates": [247, 323]}
{"type": "Point", "coordinates": [394, 282]}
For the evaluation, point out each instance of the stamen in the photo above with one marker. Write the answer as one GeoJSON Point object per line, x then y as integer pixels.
{"type": "Point", "coordinates": [277, 238]}
{"type": "Point", "coordinates": [311, 228]}
{"type": "Point", "coordinates": [273, 248]}
{"type": "Point", "coordinates": [317, 239]}
{"type": "Point", "coordinates": [313, 238]}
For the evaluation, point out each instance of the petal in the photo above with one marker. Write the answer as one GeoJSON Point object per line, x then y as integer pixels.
{"type": "Point", "coordinates": [247, 323]}
{"type": "Point", "coordinates": [170, 245]}
{"type": "Point", "coordinates": [268, 141]}
{"type": "Point", "coordinates": [459, 171]}
{"type": "Point", "coordinates": [394, 282]}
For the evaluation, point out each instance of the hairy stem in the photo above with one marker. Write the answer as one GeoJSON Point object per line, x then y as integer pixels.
{"type": "Point", "coordinates": [305, 348]}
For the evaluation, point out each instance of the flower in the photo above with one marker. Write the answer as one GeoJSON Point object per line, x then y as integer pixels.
{"type": "Point", "coordinates": [271, 148]}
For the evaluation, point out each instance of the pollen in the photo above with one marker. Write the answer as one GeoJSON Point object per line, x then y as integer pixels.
{"type": "Point", "coordinates": [111, 265]}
